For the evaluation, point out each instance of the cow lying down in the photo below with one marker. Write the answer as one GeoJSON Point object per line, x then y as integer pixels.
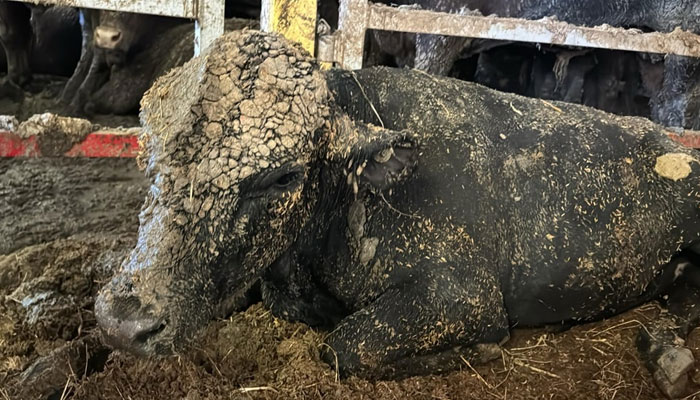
{"type": "Point", "coordinates": [418, 218]}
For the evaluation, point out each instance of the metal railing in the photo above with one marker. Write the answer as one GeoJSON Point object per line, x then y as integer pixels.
{"type": "Point", "coordinates": [345, 46]}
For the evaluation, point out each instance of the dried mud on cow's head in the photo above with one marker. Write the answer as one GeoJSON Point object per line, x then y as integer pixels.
{"type": "Point", "coordinates": [227, 196]}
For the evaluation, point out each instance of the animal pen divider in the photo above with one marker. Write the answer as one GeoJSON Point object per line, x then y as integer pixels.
{"type": "Point", "coordinates": [297, 20]}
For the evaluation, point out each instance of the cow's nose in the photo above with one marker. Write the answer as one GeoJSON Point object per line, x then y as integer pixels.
{"type": "Point", "coordinates": [127, 324]}
{"type": "Point", "coordinates": [107, 37]}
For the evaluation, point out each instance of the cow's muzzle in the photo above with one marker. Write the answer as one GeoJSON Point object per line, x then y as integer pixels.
{"type": "Point", "coordinates": [129, 324]}
{"type": "Point", "coordinates": [107, 37]}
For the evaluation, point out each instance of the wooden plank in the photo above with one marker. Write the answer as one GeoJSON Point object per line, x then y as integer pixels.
{"type": "Point", "coordinates": [687, 138]}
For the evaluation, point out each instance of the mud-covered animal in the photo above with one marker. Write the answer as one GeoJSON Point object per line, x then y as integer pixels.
{"type": "Point", "coordinates": [37, 39]}
{"type": "Point", "coordinates": [437, 54]}
{"type": "Point", "coordinates": [418, 218]}
{"type": "Point", "coordinates": [116, 68]}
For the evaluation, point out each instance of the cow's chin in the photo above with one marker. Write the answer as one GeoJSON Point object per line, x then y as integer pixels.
{"type": "Point", "coordinates": [176, 339]}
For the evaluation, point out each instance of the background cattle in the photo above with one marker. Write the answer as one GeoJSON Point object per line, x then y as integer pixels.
{"type": "Point", "coordinates": [123, 53]}
{"type": "Point", "coordinates": [669, 104]}
{"type": "Point", "coordinates": [116, 46]}
{"type": "Point", "coordinates": [36, 39]}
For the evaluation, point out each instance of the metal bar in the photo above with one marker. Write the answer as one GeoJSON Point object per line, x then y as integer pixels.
{"type": "Point", "coordinates": [294, 19]}
{"type": "Point", "coordinates": [209, 24]}
{"type": "Point", "coordinates": [96, 144]}
{"type": "Point", "coordinates": [352, 25]}
{"type": "Point", "coordinates": [550, 31]}
{"type": "Point", "coordinates": [168, 8]}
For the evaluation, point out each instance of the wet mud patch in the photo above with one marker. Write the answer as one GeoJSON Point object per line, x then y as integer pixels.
{"type": "Point", "coordinates": [66, 225]}
{"type": "Point", "coordinates": [69, 222]}
{"type": "Point", "coordinates": [42, 96]}
{"type": "Point", "coordinates": [50, 198]}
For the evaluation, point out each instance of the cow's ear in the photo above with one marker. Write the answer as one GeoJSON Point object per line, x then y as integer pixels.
{"type": "Point", "coordinates": [382, 157]}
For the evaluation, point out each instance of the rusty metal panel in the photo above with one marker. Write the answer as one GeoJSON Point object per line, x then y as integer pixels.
{"type": "Point", "coordinates": [546, 30]}
{"type": "Point", "coordinates": [294, 19]}
{"type": "Point", "coordinates": [169, 8]}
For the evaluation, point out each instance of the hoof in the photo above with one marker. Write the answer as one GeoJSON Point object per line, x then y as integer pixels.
{"type": "Point", "coordinates": [488, 352]}
{"type": "Point", "coordinates": [671, 374]}
{"type": "Point", "coordinates": [10, 90]}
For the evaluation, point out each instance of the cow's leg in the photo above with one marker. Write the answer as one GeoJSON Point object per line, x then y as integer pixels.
{"type": "Point", "coordinates": [431, 324]}
{"type": "Point", "coordinates": [290, 292]}
{"type": "Point", "coordinates": [437, 54]}
{"type": "Point", "coordinates": [662, 342]}
{"type": "Point", "coordinates": [97, 75]}
{"type": "Point", "coordinates": [91, 70]}
{"type": "Point", "coordinates": [669, 106]}
{"type": "Point", "coordinates": [88, 19]}
{"type": "Point", "coordinates": [397, 48]}
{"type": "Point", "coordinates": [16, 39]}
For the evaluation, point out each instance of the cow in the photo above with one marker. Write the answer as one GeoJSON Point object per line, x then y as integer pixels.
{"type": "Point", "coordinates": [418, 218]}
{"type": "Point", "coordinates": [437, 54]}
{"type": "Point", "coordinates": [37, 39]}
{"type": "Point", "coordinates": [123, 53]}
{"type": "Point", "coordinates": [109, 40]}
{"type": "Point", "coordinates": [15, 37]}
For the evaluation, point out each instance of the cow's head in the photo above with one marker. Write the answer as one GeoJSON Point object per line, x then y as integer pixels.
{"type": "Point", "coordinates": [119, 34]}
{"type": "Point", "coordinates": [230, 141]}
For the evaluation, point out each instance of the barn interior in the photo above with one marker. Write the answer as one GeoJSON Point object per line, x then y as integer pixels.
{"type": "Point", "coordinates": [72, 76]}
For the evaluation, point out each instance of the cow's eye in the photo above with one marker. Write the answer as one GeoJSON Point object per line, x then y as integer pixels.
{"type": "Point", "coordinates": [287, 180]}
{"type": "Point", "coordinates": [280, 180]}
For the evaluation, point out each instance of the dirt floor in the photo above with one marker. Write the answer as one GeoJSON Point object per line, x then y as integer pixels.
{"type": "Point", "coordinates": [42, 95]}
{"type": "Point", "coordinates": [66, 224]}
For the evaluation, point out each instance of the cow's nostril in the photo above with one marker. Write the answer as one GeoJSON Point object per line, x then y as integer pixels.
{"type": "Point", "coordinates": [115, 37]}
{"type": "Point", "coordinates": [144, 336]}
{"type": "Point", "coordinates": [128, 324]}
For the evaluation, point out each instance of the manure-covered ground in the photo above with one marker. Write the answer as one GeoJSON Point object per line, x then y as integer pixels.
{"type": "Point", "coordinates": [66, 224]}
{"type": "Point", "coordinates": [43, 95]}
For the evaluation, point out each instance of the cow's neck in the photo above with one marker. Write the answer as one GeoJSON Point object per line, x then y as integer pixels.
{"type": "Point", "coordinates": [322, 247]}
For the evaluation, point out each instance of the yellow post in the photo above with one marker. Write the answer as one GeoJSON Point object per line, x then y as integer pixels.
{"type": "Point", "coordinates": [294, 19]}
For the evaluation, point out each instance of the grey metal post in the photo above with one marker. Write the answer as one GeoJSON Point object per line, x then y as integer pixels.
{"type": "Point", "coordinates": [209, 24]}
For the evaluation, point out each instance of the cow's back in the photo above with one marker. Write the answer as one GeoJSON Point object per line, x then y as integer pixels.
{"type": "Point", "coordinates": [576, 208]}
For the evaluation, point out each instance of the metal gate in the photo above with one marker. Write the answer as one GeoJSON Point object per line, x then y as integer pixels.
{"type": "Point", "coordinates": [345, 46]}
